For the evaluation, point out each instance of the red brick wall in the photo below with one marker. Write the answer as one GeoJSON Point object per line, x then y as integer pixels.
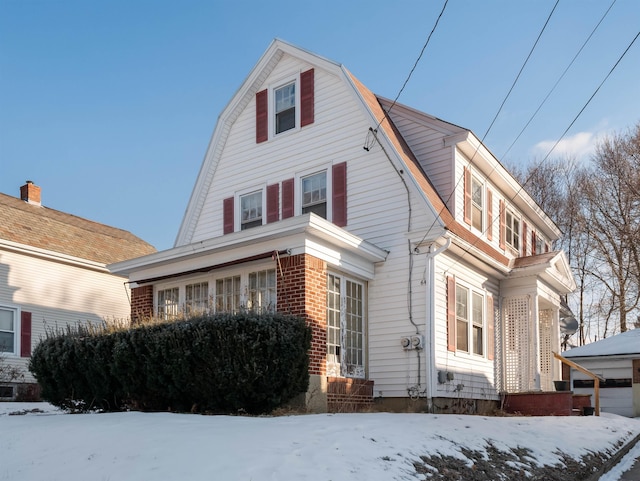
{"type": "Point", "coordinates": [349, 395]}
{"type": "Point", "coordinates": [141, 303]}
{"type": "Point", "coordinates": [540, 403]}
{"type": "Point", "coordinates": [302, 291]}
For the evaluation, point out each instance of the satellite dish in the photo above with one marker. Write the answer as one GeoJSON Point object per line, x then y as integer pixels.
{"type": "Point", "coordinates": [568, 325]}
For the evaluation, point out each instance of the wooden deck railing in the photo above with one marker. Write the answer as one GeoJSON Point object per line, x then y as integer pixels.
{"type": "Point", "coordinates": [595, 377]}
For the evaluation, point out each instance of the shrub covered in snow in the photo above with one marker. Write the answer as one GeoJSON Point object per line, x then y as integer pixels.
{"type": "Point", "coordinates": [214, 363]}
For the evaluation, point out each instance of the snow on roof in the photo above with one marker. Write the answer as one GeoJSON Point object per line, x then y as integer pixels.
{"type": "Point", "coordinates": [625, 343]}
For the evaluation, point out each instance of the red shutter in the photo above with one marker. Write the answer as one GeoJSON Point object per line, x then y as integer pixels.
{"type": "Point", "coordinates": [25, 334]}
{"type": "Point", "coordinates": [491, 341]}
{"type": "Point", "coordinates": [503, 222]}
{"type": "Point", "coordinates": [533, 242]}
{"type": "Point", "coordinates": [451, 313]}
{"type": "Point", "coordinates": [262, 118]}
{"type": "Point", "coordinates": [287, 198]}
{"type": "Point", "coordinates": [273, 203]}
{"type": "Point", "coordinates": [467, 195]}
{"type": "Point", "coordinates": [306, 97]}
{"type": "Point", "coordinates": [524, 239]}
{"type": "Point", "coordinates": [339, 187]}
{"type": "Point", "coordinates": [228, 217]}
{"type": "Point", "coordinates": [489, 215]}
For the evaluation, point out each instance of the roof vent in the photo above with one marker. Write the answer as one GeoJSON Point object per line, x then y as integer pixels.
{"type": "Point", "coordinates": [30, 193]}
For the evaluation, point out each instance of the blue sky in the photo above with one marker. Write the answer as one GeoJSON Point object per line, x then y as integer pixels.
{"type": "Point", "coordinates": [109, 105]}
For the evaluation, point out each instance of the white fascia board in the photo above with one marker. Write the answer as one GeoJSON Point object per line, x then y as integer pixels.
{"type": "Point", "coordinates": [489, 165]}
{"type": "Point", "coordinates": [559, 279]}
{"type": "Point", "coordinates": [292, 234]}
{"type": "Point", "coordinates": [477, 257]}
{"type": "Point", "coordinates": [53, 256]}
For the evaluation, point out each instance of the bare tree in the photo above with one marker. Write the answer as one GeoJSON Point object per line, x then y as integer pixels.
{"type": "Point", "coordinates": [611, 217]}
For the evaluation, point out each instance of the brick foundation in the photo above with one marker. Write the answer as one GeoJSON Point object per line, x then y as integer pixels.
{"type": "Point", "coordinates": [540, 403]}
{"type": "Point", "coordinates": [349, 395]}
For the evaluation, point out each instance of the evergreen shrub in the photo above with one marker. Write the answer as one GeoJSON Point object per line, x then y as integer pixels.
{"type": "Point", "coordinates": [221, 363]}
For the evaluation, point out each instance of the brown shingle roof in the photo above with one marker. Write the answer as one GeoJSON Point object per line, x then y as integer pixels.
{"type": "Point", "coordinates": [414, 167]}
{"type": "Point", "coordinates": [49, 229]}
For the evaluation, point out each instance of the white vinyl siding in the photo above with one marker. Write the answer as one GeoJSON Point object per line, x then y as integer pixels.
{"type": "Point", "coordinates": [60, 295]}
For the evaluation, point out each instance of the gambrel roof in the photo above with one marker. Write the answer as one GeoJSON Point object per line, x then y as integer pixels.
{"type": "Point", "coordinates": [386, 132]}
{"type": "Point", "coordinates": [36, 226]}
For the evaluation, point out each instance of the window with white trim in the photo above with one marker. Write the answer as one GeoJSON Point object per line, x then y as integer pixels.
{"type": "Point", "coordinates": [196, 298]}
{"type": "Point", "coordinates": [228, 294]}
{"type": "Point", "coordinates": [469, 320]}
{"type": "Point", "coordinates": [168, 303]}
{"type": "Point", "coordinates": [251, 210]}
{"type": "Point", "coordinates": [314, 194]}
{"type": "Point", "coordinates": [8, 327]}
{"type": "Point", "coordinates": [345, 327]}
{"type": "Point", "coordinates": [285, 107]}
{"type": "Point", "coordinates": [541, 244]}
{"type": "Point", "coordinates": [261, 292]}
{"type": "Point", "coordinates": [476, 203]}
{"type": "Point", "coordinates": [512, 230]}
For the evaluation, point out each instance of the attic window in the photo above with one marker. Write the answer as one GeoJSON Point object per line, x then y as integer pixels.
{"type": "Point", "coordinates": [285, 107]}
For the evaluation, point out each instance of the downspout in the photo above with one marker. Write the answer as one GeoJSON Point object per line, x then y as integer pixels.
{"type": "Point", "coordinates": [430, 337]}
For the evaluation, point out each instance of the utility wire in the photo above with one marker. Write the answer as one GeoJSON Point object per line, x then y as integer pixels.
{"type": "Point", "coordinates": [494, 118]}
{"type": "Point", "coordinates": [368, 143]}
{"type": "Point", "coordinates": [559, 79]}
{"type": "Point", "coordinates": [560, 138]}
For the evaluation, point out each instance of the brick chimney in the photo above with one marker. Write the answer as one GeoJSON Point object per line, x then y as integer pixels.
{"type": "Point", "coordinates": [30, 193]}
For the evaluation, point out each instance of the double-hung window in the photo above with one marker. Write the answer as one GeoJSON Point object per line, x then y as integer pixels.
{"type": "Point", "coordinates": [513, 230]}
{"type": "Point", "coordinates": [8, 330]}
{"type": "Point", "coordinates": [285, 108]}
{"type": "Point", "coordinates": [251, 210]}
{"type": "Point", "coordinates": [345, 327]}
{"type": "Point", "coordinates": [469, 321]}
{"type": "Point", "coordinates": [476, 204]}
{"type": "Point", "coordinates": [314, 194]}
{"type": "Point", "coordinates": [477, 318]}
{"type": "Point", "coordinates": [167, 306]}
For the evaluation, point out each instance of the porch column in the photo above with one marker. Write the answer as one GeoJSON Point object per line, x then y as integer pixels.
{"type": "Point", "coordinates": [535, 368]}
{"type": "Point", "coordinates": [302, 291]}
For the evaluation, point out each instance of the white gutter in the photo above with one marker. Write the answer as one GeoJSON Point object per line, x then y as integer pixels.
{"type": "Point", "coordinates": [430, 337]}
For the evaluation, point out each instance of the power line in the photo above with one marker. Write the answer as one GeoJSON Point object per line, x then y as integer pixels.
{"type": "Point", "coordinates": [559, 139]}
{"type": "Point", "coordinates": [559, 79]}
{"type": "Point", "coordinates": [495, 117]}
{"type": "Point", "coordinates": [368, 144]}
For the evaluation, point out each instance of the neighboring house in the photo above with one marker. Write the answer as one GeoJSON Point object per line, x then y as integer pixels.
{"type": "Point", "coordinates": [422, 265]}
{"type": "Point", "coordinates": [617, 360]}
{"type": "Point", "coordinates": [53, 274]}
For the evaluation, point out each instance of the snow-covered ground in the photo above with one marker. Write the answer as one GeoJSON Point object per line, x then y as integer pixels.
{"type": "Point", "coordinates": [48, 445]}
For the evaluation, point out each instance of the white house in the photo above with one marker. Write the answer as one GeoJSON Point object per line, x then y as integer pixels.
{"type": "Point", "coordinates": [53, 274]}
{"type": "Point", "coordinates": [617, 360]}
{"type": "Point", "coordinates": [423, 267]}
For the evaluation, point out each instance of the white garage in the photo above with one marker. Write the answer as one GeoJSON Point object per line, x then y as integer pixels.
{"type": "Point", "coordinates": [617, 360]}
